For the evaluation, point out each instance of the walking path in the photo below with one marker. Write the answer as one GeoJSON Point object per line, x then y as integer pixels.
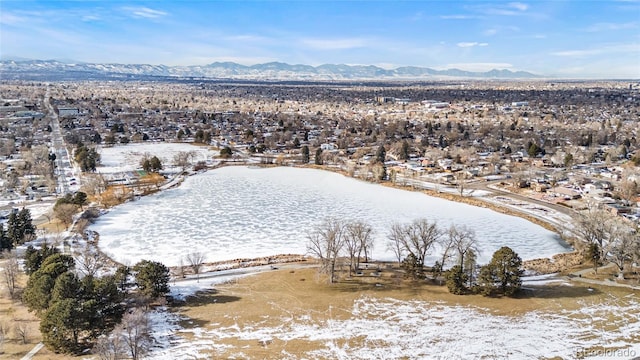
{"type": "Point", "coordinates": [577, 276]}
{"type": "Point", "coordinates": [33, 351]}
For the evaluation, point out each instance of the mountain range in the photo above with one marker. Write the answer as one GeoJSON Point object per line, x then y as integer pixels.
{"type": "Point", "coordinates": [54, 69]}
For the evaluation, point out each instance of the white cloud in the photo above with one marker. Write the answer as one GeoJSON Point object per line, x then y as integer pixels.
{"type": "Point", "coordinates": [612, 26]}
{"type": "Point", "coordinates": [87, 18]}
{"type": "Point", "coordinates": [608, 49]}
{"type": "Point", "coordinates": [7, 18]}
{"type": "Point", "coordinates": [490, 32]}
{"type": "Point", "coordinates": [471, 44]}
{"type": "Point", "coordinates": [334, 44]}
{"type": "Point", "coordinates": [518, 6]}
{"type": "Point", "coordinates": [510, 9]}
{"type": "Point", "coordinates": [144, 12]}
{"type": "Point", "coordinates": [247, 38]}
{"type": "Point", "coordinates": [457, 17]}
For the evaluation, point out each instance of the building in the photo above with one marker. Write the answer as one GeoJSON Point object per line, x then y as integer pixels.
{"type": "Point", "coordinates": [68, 111]}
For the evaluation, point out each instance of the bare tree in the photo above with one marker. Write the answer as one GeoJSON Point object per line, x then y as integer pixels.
{"type": "Point", "coordinates": [325, 243]}
{"type": "Point", "coordinates": [628, 190]}
{"type": "Point", "coordinates": [420, 236]}
{"type": "Point", "coordinates": [357, 239]}
{"type": "Point", "coordinates": [90, 261]}
{"type": "Point", "coordinates": [183, 159]}
{"type": "Point", "coordinates": [65, 212]}
{"type": "Point", "coordinates": [595, 226]}
{"type": "Point", "coordinates": [111, 347]}
{"type": "Point", "coordinates": [395, 243]}
{"type": "Point", "coordinates": [135, 330]}
{"type": "Point", "coordinates": [624, 246]}
{"type": "Point", "coordinates": [10, 272]}
{"type": "Point", "coordinates": [196, 261]}
{"type": "Point", "coordinates": [463, 241]}
{"type": "Point", "coordinates": [22, 330]}
{"type": "Point", "coordinates": [181, 268]}
{"type": "Point", "coordinates": [4, 333]}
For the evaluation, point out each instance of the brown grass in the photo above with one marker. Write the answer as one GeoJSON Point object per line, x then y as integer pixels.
{"type": "Point", "coordinates": [268, 297]}
{"type": "Point", "coordinates": [13, 313]}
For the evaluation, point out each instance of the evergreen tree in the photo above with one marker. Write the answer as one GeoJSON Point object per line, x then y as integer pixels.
{"type": "Point", "coordinates": [593, 254]}
{"type": "Point", "coordinates": [37, 294]}
{"type": "Point", "coordinates": [33, 258]}
{"type": "Point", "coordinates": [305, 154]}
{"type": "Point", "coordinates": [20, 228]}
{"type": "Point", "coordinates": [404, 151]}
{"type": "Point", "coordinates": [104, 304]}
{"type": "Point", "coordinates": [226, 152]}
{"type": "Point", "coordinates": [40, 285]}
{"type": "Point", "coordinates": [503, 274]}
{"type": "Point", "coordinates": [67, 286]}
{"type": "Point", "coordinates": [318, 159]}
{"type": "Point", "coordinates": [5, 242]}
{"type": "Point", "coordinates": [457, 280]}
{"type": "Point", "coordinates": [86, 157]}
{"type": "Point", "coordinates": [381, 154]}
{"type": "Point", "coordinates": [121, 278]}
{"type": "Point", "coordinates": [28, 229]}
{"type": "Point", "coordinates": [14, 232]}
{"type": "Point", "coordinates": [469, 268]}
{"type": "Point", "coordinates": [152, 278]}
{"type": "Point", "coordinates": [61, 326]}
{"type": "Point", "coordinates": [80, 199]}
{"type": "Point", "coordinates": [412, 267]}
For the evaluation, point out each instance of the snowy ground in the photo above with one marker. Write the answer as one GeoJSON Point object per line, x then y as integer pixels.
{"type": "Point", "coordinates": [125, 158]}
{"type": "Point", "coordinates": [393, 329]}
{"type": "Point", "coordinates": [240, 212]}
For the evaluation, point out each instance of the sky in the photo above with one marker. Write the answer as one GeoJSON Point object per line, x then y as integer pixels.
{"type": "Point", "coordinates": [560, 38]}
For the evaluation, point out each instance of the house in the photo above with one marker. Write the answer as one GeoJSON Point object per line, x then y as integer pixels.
{"type": "Point", "coordinates": [328, 146]}
{"type": "Point", "coordinates": [68, 111]}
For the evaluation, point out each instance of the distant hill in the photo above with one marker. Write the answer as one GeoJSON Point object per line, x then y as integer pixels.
{"type": "Point", "coordinates": [54, 69]}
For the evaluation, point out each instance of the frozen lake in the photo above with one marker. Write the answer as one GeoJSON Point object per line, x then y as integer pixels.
{"type": "Point", "coordinates": [241, 212]}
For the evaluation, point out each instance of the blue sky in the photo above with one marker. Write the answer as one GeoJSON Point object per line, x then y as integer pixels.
{"type": "Point", "coordinates": [583, 39]}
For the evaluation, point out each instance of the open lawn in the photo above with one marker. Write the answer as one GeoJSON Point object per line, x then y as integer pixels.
{"type": "Point", "coordinates": [296, 314]}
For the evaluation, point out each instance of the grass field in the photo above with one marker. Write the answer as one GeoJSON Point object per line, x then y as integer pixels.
{"type": "Point", "coordinates": [296, 314]}
{"type": "Point", "coordinates": [261, 316]}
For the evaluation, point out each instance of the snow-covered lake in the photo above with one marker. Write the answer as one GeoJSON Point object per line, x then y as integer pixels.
{"type": "Point", "coordinates": [124, 158]}
{"type": "Point", "coordinates": [241, 212]}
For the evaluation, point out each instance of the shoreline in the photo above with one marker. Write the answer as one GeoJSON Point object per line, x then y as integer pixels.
{"type": "Point", "coordinates": [557, 263]}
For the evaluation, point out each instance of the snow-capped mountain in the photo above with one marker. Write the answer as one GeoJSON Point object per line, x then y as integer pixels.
{"type": "Point", "coordinates": [53, 69]}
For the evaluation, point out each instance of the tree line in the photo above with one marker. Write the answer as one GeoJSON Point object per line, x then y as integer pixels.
{"type": "Point", "coordinates": [80, 310]}
{"type": "Point", "coordinates": [334, 240]}
{"type": "Point", "coordinates": [609, 238]}
{"type": "Point", "coordinates": [20, 229]}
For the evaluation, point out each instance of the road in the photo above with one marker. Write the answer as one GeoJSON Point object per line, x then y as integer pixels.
{"type": "Point", "coordinates": [63, 165]}
{"type": "Point", "coordinates": [490, 195]}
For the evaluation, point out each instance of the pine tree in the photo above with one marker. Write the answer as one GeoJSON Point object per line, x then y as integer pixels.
{"type": "Point", "coordinates": [28, 229]}
{"type": "Point", "coordinates": [33, 258]}
{"type": "Point", "coordinates": [593, 254]}
{"type": "Point", "coordinates": [37, 295]}
{"type": "Point", "coordinates": [152, 278]}
{"type": "Point", "coordinates": [20, 227]}
{"type": "Point", "coordinates": [305, 154]}
{"type": "Point", "coordinates": [318, 159]}
{"type": "Point", "coordinates": [5, 242]}
{"type": "Point", "coordinates": [381, 154]}
{"type": "Point", "coordinates": [456, 280]}
{"type": "Point", "coordinates": [61, 325]}
{"type": "Point", "coordinates": [503, 274]}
